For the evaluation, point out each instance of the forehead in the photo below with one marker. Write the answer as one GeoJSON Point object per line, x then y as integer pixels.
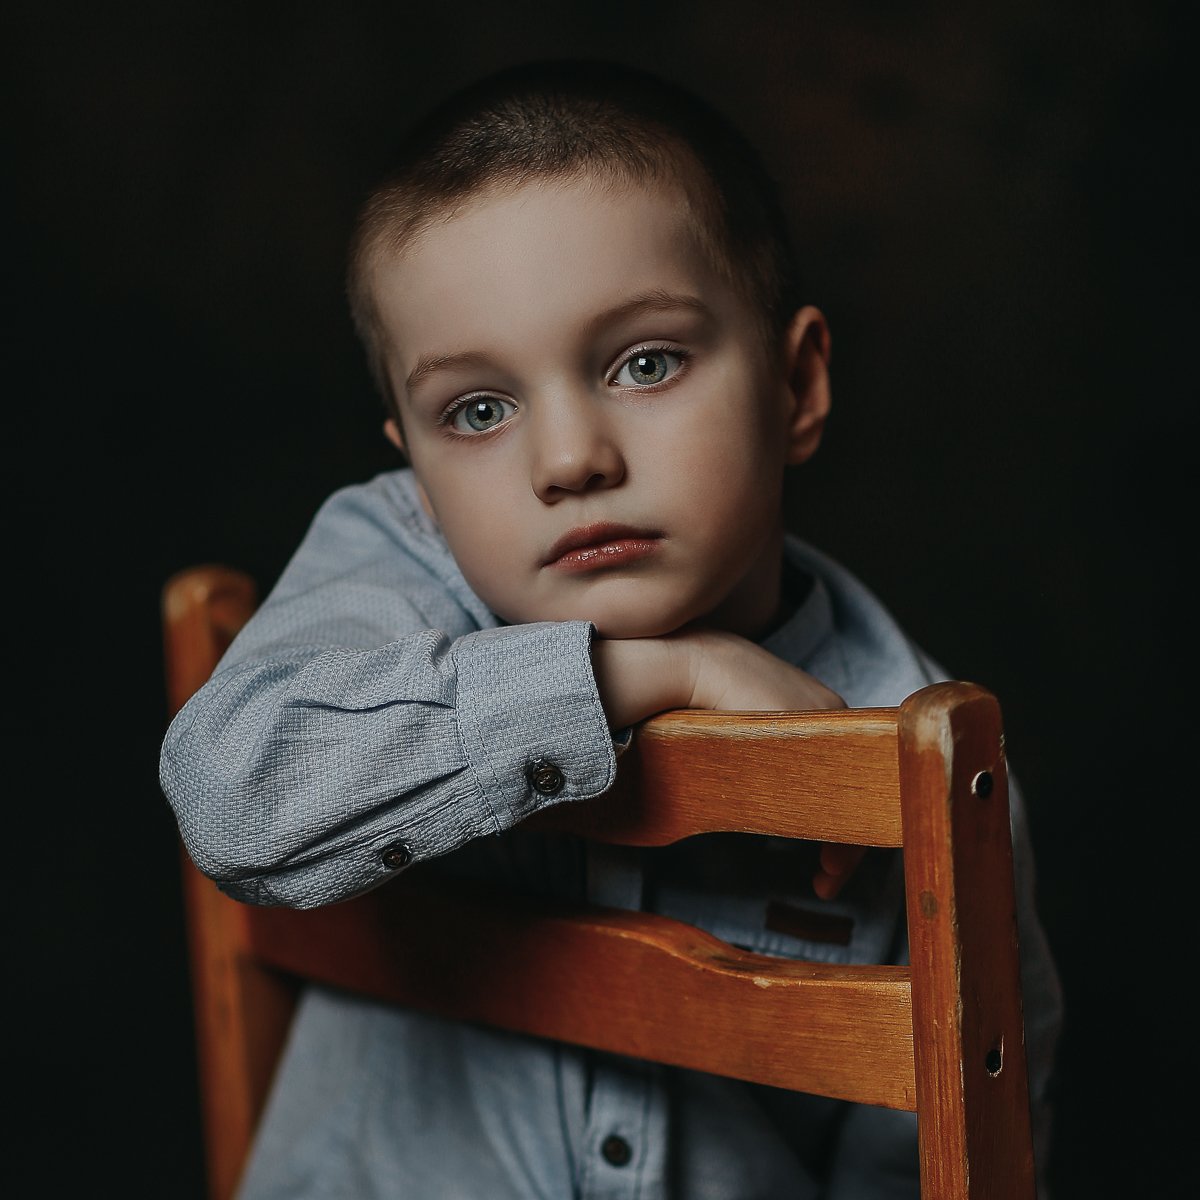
{"type": "Point", "coordinates": [556, 253]}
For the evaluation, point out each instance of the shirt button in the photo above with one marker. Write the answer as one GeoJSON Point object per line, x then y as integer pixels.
{"type": "Point", "coordinates": [395, 856]}
{"type": "Point", "coordinates": [545, 777]}
{"type": "Point", "coordinates": [616, 1150]}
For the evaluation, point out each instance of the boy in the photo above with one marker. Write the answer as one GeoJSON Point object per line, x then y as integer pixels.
{"type": "Point", "coordinates": [580, 305]}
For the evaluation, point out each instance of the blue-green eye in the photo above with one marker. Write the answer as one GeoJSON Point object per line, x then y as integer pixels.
{"type": "Point", "coordinates": [481, 413]}
{"type": "Point", "coordinates": [647, 367]}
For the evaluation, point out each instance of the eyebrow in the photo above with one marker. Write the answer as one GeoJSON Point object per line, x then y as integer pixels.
{"type": "Point", "coordinates": [429, 364]}
{"type": "Point", "coordinates": [656, 300]}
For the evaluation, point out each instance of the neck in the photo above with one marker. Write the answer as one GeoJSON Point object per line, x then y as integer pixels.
{"type": "Point", "coordinates": [760, 603]}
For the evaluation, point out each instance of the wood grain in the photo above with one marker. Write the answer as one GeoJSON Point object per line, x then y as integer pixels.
{"type": "Point", "coordinates": [242, 1007]}
{"type": "Point", "coordinates": [975, 1138]}
{"type": "Point", "coordinates": [824, 776]}
{"type": "Point", "coordinates": [626, 982]}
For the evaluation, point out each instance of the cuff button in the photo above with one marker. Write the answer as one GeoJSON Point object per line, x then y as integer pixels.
{"type": "Point", "coordinates": [395, 856]}
{"type": "Point", "coordinates": [616, 1150]}
{"type": "Point", "coordinates": [544, 777]}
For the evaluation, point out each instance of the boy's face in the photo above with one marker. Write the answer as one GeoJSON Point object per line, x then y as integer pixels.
{"type": "Point", "coordinates": [591, 411]}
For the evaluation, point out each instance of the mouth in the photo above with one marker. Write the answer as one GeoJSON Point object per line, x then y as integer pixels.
{"type": "Point", "coordinates": [595, 547]}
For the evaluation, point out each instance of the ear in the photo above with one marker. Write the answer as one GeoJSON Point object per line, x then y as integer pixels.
{"type": "Point", "coordinates": [391, 431]}
{"type": "Point", "coordinates": [807, 347]}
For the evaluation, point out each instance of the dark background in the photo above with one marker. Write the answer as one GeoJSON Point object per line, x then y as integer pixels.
{"type": "Point", "coordinates": [990, 203]}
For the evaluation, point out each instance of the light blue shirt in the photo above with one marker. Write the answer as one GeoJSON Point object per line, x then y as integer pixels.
{"type": "Point", "coordinates": [374, 701]}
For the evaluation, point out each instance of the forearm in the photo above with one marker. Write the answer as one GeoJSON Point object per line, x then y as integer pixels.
{"type": "Point", "coordinates": [292, 777]}
{"type": "Point", "coordinates": [638, 677]}
{"type": "Point", "coordinates": [370, 703]}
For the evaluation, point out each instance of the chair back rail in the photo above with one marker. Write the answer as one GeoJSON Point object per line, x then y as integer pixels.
{"type": "Point", "coordinates": [626, 982]}
{"type": "Point", "coordinates": [824, 776]}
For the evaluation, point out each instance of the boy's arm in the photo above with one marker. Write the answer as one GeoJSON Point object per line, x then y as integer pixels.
{"type": "Point", "coordinates": [363, 720]}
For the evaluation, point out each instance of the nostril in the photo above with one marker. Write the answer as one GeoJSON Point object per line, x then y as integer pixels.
{"type": "Point", "coordinates": [567, 480]}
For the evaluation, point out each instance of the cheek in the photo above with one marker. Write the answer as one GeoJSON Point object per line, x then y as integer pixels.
{"type": "Point", "coordinates": [725, 489]}
{"type": "Point", "coordinates": [482, 543]}
{"type": "Point", "coordinates": [478, 525]}
{"type": "Point", "coordinates": [721, 453]}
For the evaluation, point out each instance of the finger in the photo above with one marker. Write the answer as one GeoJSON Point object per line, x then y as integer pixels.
{"type": "Point", "coordinates": [837, 863]}
{"type": "Point", "coordinates": [827, 886]}
{"type": "Point", "coordinates": [838, 859]}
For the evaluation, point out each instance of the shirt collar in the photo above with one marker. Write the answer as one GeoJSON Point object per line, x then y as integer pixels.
{"type": "Point", "coordinates": [802, 633]}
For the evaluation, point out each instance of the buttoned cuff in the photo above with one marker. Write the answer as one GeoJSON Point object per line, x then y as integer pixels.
{"type": "Point", "coordinates": [529, 715]}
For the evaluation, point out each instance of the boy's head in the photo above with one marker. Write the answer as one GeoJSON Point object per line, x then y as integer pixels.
{"type": "Point", "coordinates": [585, 329]}
{"type": "Point", "coordinates": [561, 120]}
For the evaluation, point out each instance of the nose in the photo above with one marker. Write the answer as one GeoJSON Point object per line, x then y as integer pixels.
{"type": "Point", "coordinates": [575, 450]}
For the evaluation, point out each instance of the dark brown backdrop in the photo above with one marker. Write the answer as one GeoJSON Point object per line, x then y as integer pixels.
{"type": "Point", "coordinates": [991, 209]}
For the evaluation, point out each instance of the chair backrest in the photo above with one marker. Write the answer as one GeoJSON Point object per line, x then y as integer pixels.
{"type": "Point", "coordinates": [943, 1037]}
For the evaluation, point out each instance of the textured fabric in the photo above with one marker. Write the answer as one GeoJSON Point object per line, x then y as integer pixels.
{"type": "Point", "coordinates": [373, 700]}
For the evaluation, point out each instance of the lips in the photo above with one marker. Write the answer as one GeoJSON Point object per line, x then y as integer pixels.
{"type": "Point", "coordinates": [601, 545]}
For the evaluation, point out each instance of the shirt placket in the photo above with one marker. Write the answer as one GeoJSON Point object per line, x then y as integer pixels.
{"type": "Point", "coordinates": [625, 1137]}
{"type": "Point", "coordinates": [625, 1145]}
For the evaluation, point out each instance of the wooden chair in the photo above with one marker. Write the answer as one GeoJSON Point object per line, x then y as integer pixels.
{"type": "Point", "coordinates": [943, 1038]}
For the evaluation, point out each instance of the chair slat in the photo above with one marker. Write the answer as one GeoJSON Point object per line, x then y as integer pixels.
{"type": "Point", "coordinates": [822, 776]}
{"type": "Point", "coordinates": [624, 982]}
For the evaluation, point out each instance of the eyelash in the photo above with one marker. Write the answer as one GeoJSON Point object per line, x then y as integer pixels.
{"type": "Point", "coordinates": [446, 420]}
{"type": "Point", "coordinates": [652, 348]}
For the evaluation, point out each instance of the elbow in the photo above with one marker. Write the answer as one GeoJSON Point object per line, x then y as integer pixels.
{"type": "Point", "coordinates": [210, 794]}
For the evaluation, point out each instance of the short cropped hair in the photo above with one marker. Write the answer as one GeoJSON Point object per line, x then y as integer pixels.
{"type": "Point", "coordinates": [569, 119]}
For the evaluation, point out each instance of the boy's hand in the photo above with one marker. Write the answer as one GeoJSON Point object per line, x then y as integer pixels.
{"type": "Point", "coordinates": [700, 668]}
{"type": "Point", "coordinates": [732, 674]}
{"type": "Point", "coordinates": [838, 863]}
{"type": "Point", "coordinates": [707, 668]}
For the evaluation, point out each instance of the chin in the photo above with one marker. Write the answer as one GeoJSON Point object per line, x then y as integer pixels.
{"type": "Point", "coordinates": [608, 624]}
{"type": "Point", "coordinates": [621, 612]}
{"type": "Point", "coordinates": [630, 623]}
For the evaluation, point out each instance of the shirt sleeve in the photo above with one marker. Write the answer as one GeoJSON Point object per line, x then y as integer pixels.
{"type": "Point", "coordinates": [362, 722]}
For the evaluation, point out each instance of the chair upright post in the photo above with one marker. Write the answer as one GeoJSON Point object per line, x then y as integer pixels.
{"type": "Point", "coordinates": [242, 1009]}
{"type": "Point", "coordinates": [972, 1090]}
